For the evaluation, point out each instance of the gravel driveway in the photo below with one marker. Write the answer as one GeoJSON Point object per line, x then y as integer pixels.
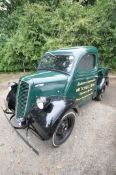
{"type": "Point", "coordinates": [90, 150]}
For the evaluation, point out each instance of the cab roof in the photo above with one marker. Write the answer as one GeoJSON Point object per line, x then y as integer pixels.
{"type": "Point", "coordinates": [74, 50]}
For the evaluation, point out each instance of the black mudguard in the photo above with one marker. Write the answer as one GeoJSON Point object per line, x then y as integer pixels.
{"type": "Point", "coordinates": [45, 121]}
{"type": "Point", "coordinates": [11, 97]}
{"type": "Point", "coordinates": [102, 82]}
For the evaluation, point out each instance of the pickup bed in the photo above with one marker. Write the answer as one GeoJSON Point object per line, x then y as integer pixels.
{"type": "Point", "coordinates": [49, 99]}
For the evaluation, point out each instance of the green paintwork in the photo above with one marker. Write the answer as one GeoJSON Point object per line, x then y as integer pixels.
{"type": "Point", "coordinates": [51, 83]}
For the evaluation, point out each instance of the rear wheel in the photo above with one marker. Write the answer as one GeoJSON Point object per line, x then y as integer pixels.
{"type": "Point", "coordinates": [64, 128]}
{"type": "Point", "coordinates": [101, 94]}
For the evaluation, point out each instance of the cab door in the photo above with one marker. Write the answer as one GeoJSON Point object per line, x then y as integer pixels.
{"type": "Point", "coordinates": [86, 78]}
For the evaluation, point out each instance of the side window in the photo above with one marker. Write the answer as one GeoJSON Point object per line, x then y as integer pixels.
{"type": "Point", "coordinates": [86, 63]}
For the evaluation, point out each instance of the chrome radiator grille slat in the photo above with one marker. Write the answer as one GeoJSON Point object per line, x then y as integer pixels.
{"type": "Point", "coordinates": [22, 99]}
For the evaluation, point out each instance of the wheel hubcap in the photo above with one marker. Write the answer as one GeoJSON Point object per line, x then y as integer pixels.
{"type": "Point", "coordinates": [63, 128]}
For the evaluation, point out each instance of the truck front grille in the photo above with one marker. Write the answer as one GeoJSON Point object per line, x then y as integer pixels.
{"type": "Point", "coordinates": [22, 98]}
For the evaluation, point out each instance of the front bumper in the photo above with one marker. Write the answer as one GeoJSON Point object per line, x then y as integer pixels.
{"type": "Point", "coordinates": [9, 116]}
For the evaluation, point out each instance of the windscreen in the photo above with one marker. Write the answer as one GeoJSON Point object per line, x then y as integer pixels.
{"type": "Point", "coordinates": [61, 63]}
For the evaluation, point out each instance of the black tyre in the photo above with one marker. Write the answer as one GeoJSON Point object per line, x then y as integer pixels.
{"type": "Point", "coordinates": [107, 81]}
{"type": "Point", "coordinates": [101, 94]}
{"type": "Point", "coordinates": [64, 128]}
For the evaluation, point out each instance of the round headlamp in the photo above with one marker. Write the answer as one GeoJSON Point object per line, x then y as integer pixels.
{"type": "Point", "coordinates": [41, 101]}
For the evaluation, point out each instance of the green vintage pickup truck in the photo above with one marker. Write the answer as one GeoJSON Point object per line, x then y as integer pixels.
{"type": "Point", "coordinates": [49, 99]}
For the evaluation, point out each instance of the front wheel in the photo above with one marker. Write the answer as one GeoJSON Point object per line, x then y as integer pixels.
{"type": "Point", "coordinates": [64, 128]}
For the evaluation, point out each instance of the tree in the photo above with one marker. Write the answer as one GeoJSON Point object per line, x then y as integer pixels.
{"type": "Point", "coordinates": [30, 27]}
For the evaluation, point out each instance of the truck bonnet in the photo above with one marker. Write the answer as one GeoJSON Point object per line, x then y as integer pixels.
{"type": "Point", "coordinates": [41, 83]}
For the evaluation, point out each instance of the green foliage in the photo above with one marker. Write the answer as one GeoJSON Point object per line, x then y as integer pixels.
{"type": "Point", "coordinates": [30, 27]}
